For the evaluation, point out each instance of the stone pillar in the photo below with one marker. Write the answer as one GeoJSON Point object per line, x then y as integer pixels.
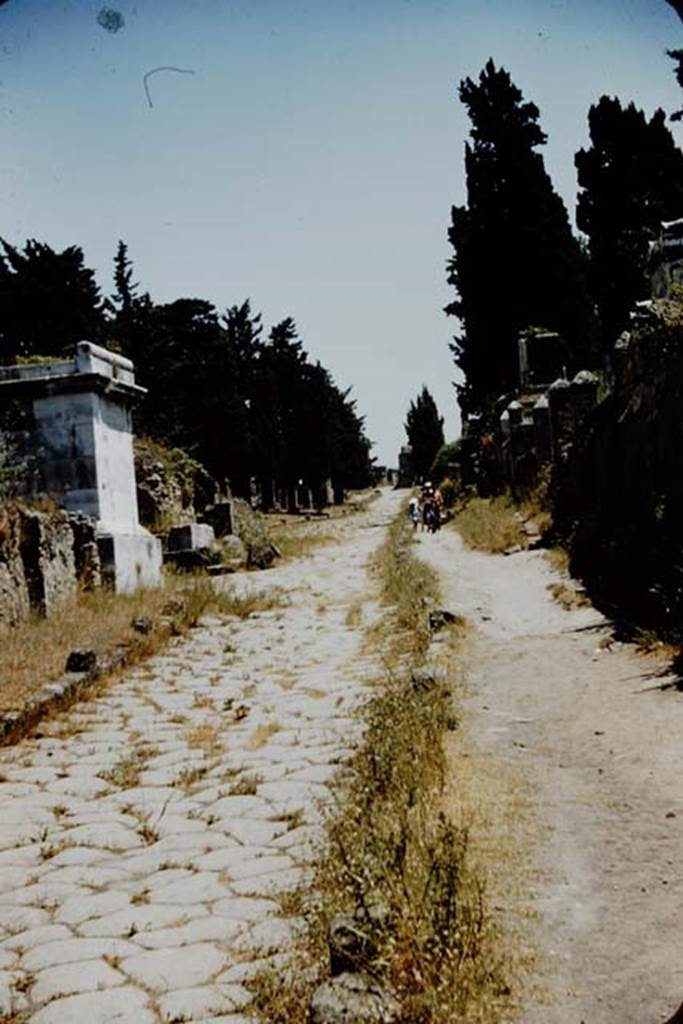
{"type": "Point", "coordinates": [84, 435]}
{"type": "Point", "coordinates": [570, 405]}
{"type": "Point", "coordinates": [542, 431]}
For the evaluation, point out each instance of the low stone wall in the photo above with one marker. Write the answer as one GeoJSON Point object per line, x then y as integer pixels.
{"type": "Point", "coordinates": [45, 555]}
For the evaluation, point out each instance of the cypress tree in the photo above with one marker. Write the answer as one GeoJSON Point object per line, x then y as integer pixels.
{"type": "Point", "coordinates": [631, 179]}
{"type": "Point", "coordinates": [424, 428]}
{"type": "Point", "coordinates": [516, 263]}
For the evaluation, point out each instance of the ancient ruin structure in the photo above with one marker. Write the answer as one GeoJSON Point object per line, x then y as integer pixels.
{"type": "Point", "coordinates": [80, 422]}
{"type": "Point", "coordinates": [406, 469]}
{"type": "Point", "coordinates": [544, 419]}
{"type": "Point", "coordinates": [666, 260]}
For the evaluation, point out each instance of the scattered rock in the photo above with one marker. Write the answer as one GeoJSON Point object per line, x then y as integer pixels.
{"type": "Point", "coordinates": [142, 625]}
{"type": "Point", "coordinates": [353, 999]}
{"type": "Point", "coordinates": [514, 549]}
{"type": "Point", "coordinates": [232, 549]}
{"type": "Point", "coordinates": [261, 555]}
{"type": "Point", "coordinates": [350, 944]}
{"type": "Point", "coordinates": [441, 617]}
{"type": "Point", "coordinates": [423, 679]}
{"type": "Point", "coordinates": [174, 607]}
{"type": "Point", "coordinates": [81, 660]}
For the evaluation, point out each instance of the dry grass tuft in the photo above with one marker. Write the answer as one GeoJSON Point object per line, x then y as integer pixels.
{"type": "Point", "coordinates": [489, 524]}
{"type": "Point", "coordinates": [558, 559]}
{"type": "Point", "coordinates": [244, 605]}
{"type": "Point", "coordinates": [261, 735]}
{"type": "Point", "coordinates": [354, 615]}
{"type": "Point", "coordinates": [205, 737]}
{"type": "Point", "coordinates": [569, 595]}
{"type": "Point", "coordinates": [189, 777]}
{"type": "Point", "coordinates": [298, 539]}
{"type": "Point", "coordinates": [126, 773]}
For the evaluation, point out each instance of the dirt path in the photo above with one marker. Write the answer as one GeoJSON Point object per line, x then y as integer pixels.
{"type": "Point", "coordinates": [146, 834]}
{"type": "Point", "coordinates": [549, 700]}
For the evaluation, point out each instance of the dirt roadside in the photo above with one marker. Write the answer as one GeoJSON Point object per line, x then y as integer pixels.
{"type": "Point", "coordinates": [599, 749]}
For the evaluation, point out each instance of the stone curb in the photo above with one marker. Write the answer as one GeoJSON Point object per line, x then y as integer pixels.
{"type": "Point", "coordinates": [64, 692]}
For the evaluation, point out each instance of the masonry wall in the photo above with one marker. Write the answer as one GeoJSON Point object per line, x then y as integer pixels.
{"type": "Point", "coordinates": [44, 557]}
{"type": "Point", "coordinates": [619, 503]}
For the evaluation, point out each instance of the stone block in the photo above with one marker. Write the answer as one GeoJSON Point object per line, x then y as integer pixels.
{"type": "Point", "coordinates": [81, 660]}
{"type": "Point", "coordinates": [125, 1005]}
{"type": "Point", "coordinates": [353, 997]}
{"type": "Point", "coordinates": [130, 561]}
{"type": "Point", "coordinates": [220, 516]}
{"type": "Point", "coordinates": [191, 537]}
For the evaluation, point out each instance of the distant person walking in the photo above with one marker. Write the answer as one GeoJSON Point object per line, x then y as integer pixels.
{"type": "Point", "coordinates": [414, 512]}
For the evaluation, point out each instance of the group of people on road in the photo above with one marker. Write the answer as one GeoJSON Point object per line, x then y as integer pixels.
{"type": "Point", "coordinates": [425, 510]}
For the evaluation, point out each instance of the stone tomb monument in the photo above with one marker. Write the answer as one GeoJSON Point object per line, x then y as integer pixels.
{"type": "Point", "coordinates": [83, 432]}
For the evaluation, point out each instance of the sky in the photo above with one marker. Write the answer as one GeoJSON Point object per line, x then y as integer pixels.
{"type": "Point", "coordinates": [310, 160]}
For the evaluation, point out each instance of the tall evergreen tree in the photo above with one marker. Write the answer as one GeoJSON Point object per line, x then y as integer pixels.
{"type": "Point", "coordinates": [49, 300]}
{"type": "Point", "coordinates": [631, 179]}
{"type": "Point", "coordinates": [424, 428]}
{"type": "Point", "coordinates": [677, 57]}
{"type": "Point", "coordinates": [516, 263]}
{"type": "Point", "coordinates": [129, 326]}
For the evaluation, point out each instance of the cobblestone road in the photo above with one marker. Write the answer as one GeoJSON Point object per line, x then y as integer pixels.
{"type": "Point", "coordinates": [145, 835]}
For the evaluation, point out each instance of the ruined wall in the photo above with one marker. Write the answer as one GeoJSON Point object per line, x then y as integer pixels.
{"type": "Point", "coordinates": [620, 500]}
{"type": "Point", "coordinates": [171, 487]}
{"type": "Point", "coordinates": [45, 555]}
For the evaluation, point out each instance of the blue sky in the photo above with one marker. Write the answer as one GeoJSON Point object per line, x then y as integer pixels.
{"type": "Point", "coordinates": [310, 161]}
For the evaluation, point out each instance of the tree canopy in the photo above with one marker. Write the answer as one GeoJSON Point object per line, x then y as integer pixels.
{"type": "Point", "coordinates": [245, 407]}
{"type": "Point", "coordinates": [515, 261]}
{"type": "Point", "coordinates": [48, 300]}
{"type": "Point", "coordinates": [424, 428]}
{"type": "Point", "coordinates": [630, 179]}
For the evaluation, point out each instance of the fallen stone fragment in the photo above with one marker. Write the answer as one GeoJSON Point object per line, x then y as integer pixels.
{"type": "Point", "coordinates": [440, 617]}
{"type": "Point", "coordinates": [142, 625]}
{"type": "Point", "coordinates": [423, 679]}
{"type": "Point", "coordinates": [353, 999]}
{"type": "Point", "coordinates": [261, 555]}
{"type": "Point", "coordinates": [81, 660]}
{"type": "Point", "coordinates": [350, 944]}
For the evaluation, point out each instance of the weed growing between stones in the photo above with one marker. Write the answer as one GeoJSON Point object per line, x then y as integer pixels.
{"type": "Point", "coordinates": [261, 735]}
{"type": "Point", "coordinates": [204, 737]}
{"type": "Point", "coordinates": [396, 863]}
{"type": "Point", "coordinates": [246, 785]}
{"type": "Point", "coordinates": [125, 774]}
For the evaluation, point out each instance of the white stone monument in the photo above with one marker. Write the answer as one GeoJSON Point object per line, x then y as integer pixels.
{"type": "Point", "coordinates": [83, 427]}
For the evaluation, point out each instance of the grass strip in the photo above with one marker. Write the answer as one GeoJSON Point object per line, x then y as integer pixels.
{"type": "Point", "coordinates": [392, 850]}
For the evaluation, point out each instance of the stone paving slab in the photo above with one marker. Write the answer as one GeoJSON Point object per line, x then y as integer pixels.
{"type": "Point", "coordinates": [147, 834]}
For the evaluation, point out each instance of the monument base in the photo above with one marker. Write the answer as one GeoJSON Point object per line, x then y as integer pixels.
{"type": "Point", "coordinates": [130, 561]}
